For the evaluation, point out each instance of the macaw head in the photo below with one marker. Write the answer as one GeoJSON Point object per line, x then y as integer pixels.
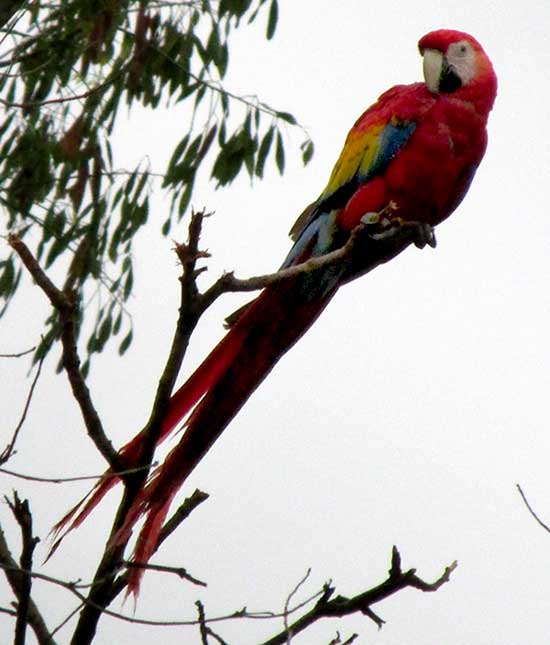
{"type": "Point", "coordinates": [454, 62]}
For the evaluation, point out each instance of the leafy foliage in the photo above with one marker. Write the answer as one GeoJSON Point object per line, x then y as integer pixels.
{"type": "Point", "coordinates": [71, 68]}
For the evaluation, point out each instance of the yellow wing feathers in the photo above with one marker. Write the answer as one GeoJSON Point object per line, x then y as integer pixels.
{"type": "Point", "coordinates": [357, 157]}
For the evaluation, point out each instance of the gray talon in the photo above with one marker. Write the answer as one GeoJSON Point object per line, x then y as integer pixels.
{"type": "Point", "coordinates": [425, 235]}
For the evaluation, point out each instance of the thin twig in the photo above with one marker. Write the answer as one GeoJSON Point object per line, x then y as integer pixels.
{"type": "Point", "coordinates": [18, 354]}
{"type": "Point", "coordinates": [287, 603]}
{"type": "Point", "coordinates": [9, 449]}
{"type": "Point", "coordinates": [64, 480]}
{"type": "Point", "coordinates": [74, 587]}
{"type": "Point", "coordinates": [64, 99]}
{"type": "Point", "coordinates": [529, 508]}
{"type": "Point", "coordinates": [181, 572]}
{"type": "Point", "coordinates": [67, 618]}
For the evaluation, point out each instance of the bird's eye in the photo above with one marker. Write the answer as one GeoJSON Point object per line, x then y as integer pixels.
{"type": "Point", "coordinates": [463, 49]}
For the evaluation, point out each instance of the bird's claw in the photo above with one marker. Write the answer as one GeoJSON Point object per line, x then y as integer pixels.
{"type": "Point", "coordinates": [424, 235]}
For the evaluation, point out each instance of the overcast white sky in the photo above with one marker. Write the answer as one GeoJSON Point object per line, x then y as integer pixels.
{"type": "Point", "coordinates": [405, 416]}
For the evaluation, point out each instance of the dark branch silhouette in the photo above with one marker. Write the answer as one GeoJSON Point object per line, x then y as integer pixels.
{"type": "Point", "coordinates": [341, 606]}
{"type": "Point", "coordinates": [65, 305]}
{"type": "Point", "coordinates": [19, 580]}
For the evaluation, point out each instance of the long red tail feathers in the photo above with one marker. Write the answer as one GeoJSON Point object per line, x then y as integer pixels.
{"type": "Point", "coordinates": [268, 337]}
{"type": "Point", "coordinates": [147, 541]}
{"type": "Point", "coordinates": [181, 403]}
{"type": "Point", "coordinates": [214, 393]}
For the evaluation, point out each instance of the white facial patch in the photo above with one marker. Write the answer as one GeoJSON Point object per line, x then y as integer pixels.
{"type": "Point", "coordinates": [461, 57]}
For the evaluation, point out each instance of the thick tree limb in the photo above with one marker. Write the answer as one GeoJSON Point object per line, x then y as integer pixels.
{"type": "Point", "coordinates": [106, 589]}
{"type": "Point", "coordinates": [189, 314]}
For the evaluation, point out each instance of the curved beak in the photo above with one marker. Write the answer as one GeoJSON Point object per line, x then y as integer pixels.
{"type": "Point", "coordinates": [433, 66]}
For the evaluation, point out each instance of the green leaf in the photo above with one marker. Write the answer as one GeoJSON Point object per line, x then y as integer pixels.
{"type": "Point", "coordinates": [286, 116]}
{"type": "Point", "coordinates": [8, 277]}
{"type": "Point", "coordinates": [272, 19]}
{"type": "Point", "coordinates": [280, 153]}
{"type": "Point", "coordinates": [264, 151]}
{"type": "Point", "coordinates": [128, 284]}
{"type": "Point", "coordinates": [104, 332]}
{"type": "Point", "coordinates": [185, 199]}
{"type": "Point", "coordinates": [126, 342]}
{"type": "Point", "coordinates": [117, 323]}
{"type": "Point", "coordinates": [307, 151]}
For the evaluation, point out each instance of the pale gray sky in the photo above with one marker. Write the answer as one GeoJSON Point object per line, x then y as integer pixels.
{"type": "Point", "coordinates": [409, 411]}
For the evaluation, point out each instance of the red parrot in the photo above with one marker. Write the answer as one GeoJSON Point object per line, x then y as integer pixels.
{"type": "Point", "coordinates": [409, 159]}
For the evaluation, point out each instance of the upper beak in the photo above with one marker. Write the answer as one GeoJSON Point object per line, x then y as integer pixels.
{"type": "Point", "coordinates": [434, 65]}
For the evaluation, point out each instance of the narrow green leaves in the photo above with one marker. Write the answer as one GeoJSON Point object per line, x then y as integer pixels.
{"type": "Point", "coordinates": [59, 184]}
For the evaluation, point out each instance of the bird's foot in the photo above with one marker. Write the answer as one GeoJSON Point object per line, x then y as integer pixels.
{"type": "Point", "coordinates": [391, 227]}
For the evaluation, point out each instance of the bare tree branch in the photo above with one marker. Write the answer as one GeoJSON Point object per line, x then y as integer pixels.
{"type": "Point", "coordinates": [189, 314]}
{"type": "Point", "coordinates": [341, 606]}
{"type": "Point", "coordinates": [22, 514]}
{"type": "Point", "coordinates": [64, 303]}
{"type": "Point", "coordinates": [16, 582]}
{"type": "Point", "coordinates": [181, 513]}
{"type": "Point", "coordinates": [103, 593]}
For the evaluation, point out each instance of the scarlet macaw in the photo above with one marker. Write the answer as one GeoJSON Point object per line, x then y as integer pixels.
{"type": "Point", "coordinates": [417, 148]}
